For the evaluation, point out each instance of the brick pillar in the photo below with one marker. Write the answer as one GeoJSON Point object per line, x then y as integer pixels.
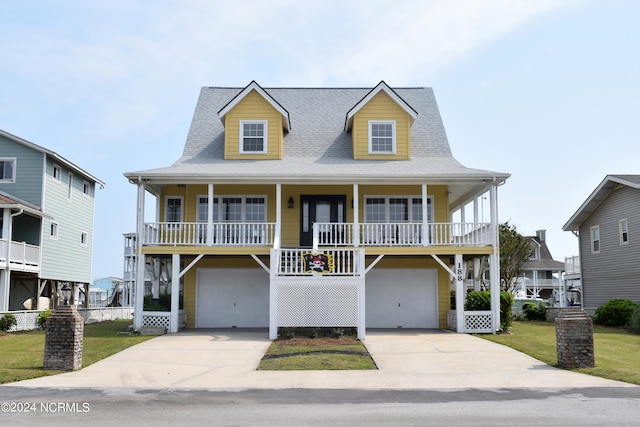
{"type": "Point", "coordinates": [574, 338]}
{"type": "Point", "coordinates": [63, 342]}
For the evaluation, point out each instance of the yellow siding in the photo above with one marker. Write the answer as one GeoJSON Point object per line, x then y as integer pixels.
{"type": "Point", "coordinates": [381, 107]}
{"type": "Point", "coordinates": [253, 107]}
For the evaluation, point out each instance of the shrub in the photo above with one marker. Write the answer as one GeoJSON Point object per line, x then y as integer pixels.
{"type": "Point", "coordinates": [478, 301]}
{"type": "Point", "coordinates": [7, 321]}
{"type": "Point", "coordinates": [533, 311]}
{"type": "Point", "coordinates": [634, 321]}
{"type": "Point", "coordinates": [615, 312]}
{"type": "Point", "coordinates": [42, 318]}
{"type": "Point", "coordinates": [506, 310]}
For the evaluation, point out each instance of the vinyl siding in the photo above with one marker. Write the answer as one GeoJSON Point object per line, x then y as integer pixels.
{"type": "Point", "coordinates": [29, 164]}
{"type": "Point", "coordinates": [381, 107]}
{"type": "Point", "coordinates": [65, 259]}
{"type": "Point", "coordinates": [253, 107]}
{"type": "Point", "coordinates": [615, 271]}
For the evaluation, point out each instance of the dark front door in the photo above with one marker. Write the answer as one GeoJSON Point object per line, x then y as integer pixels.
{"type": "Point", "coordinates": [319, 209]}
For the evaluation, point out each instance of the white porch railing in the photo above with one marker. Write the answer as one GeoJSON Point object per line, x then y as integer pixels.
{"type": "Point", "coordinates": [198, 233]}
{"type": "Point", "coordinates": [572, 265]}
{"type": "Point", "coordinates": [475, 322]}
{"type": "Point", "coordinates": [24, 257]}
{"type": "Point", "coordinates": [404, 234]}
{"type": "Point", "coordinates": [298, 262]}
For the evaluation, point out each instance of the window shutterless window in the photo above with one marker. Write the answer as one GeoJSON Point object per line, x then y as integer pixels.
{"type": "Point", "coordinates": [86, 188]}
{"type": "Point", "coordinates": [396, 209]}
{"type": "Point", "coordinates": [253, 136]}
{"type": "Point", "coordinates": [173, 209]}
{"type": "Point", "coordinates": [623, 225]}
{"type": "Point", "coordinates": [69, 186]}
{"type": "Point", "coordinates": [382, 137]}
{"type": "Point", "coordinates": [84, 237]}
{"type": "Point", "coordinates": [7, 170]}
{"type": "Point", "coordinates": [53, 230]}
{"type": "Point", "coordinates": [595, 239]}
{"type": "Point", "coordinates": [234, 209]}
{"type": "Point", "coordinates": [56, 172]}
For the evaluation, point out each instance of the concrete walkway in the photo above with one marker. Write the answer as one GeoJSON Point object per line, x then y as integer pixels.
{"type": "Point", "coordinates": [407, 359]}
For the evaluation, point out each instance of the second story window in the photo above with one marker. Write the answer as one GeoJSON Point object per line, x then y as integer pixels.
{"type": "Point", "coordinates": [253, 136]}
{"type": "Point", "coordinates": [7, 170]}
{"type": "Point", "coordinates": [624, 231]}
{"type": "Point", "coordinates": [382, 137]}
{"type": "Point", "coordinates": [173, 209]}
{"type": "Point", "coordinates": [595, 239]}
{"type": "Point", "coordinates": [56, 173]}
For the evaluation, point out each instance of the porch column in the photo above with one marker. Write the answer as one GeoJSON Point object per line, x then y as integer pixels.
{"type": "Point", "coordinates": [460, 294]}
{"type": "Point", "coordinates": [273, 295]}
{"type": "Point", "coordinates": [277, 237]}
{"type": "Point", "coordinates": [175, 292]}
{"type": "Point", "coordinates": [425, 216]}
{"type": "Point", "coordinates": [140, 261]}
{"type": "Point", "coordinates": [5, 274]}
{"type": "Point", "coordinates": [210, 215]}
{"type": "Point", "coordinates": [494, 262]}
{"type": "Point", "coordinates": [356, 217]}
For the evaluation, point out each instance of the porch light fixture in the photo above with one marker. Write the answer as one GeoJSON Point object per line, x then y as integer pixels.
{"type": "Point", "coordinates": [66, 293]}
{"type": "Point", "coordinates": [290, 203]}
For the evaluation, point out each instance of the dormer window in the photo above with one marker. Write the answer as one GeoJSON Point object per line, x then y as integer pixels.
{"type": "Point", "coordinates": [382, 137]}
{"type": "Point", "coordinates": [253, 136]}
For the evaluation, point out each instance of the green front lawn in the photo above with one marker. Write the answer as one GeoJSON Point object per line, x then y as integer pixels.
{"type": "Point", "coordinates": [615, 350]}
{"type": "Point", "coordinates": [316, 354]}
{"type": "Point", "coordinates": [22, 353]}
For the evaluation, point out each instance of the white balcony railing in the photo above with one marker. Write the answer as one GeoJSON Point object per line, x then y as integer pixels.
{"type": "Point", "coordinates": [220, 234]}
{"type": "Point", "coordinates": [24, 257]}
{"type": "Point", "coordinates": [330, 262]}
{"type": "Point", "coordinates": [572, 265]}
{"type": "Point", "coordinates": [404, 234]}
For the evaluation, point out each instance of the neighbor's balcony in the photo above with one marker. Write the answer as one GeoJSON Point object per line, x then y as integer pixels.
{"type": "Point", "coordinates": [402, 234]}
{"type": "Point", "coordinates": [23, 257]}
{"type": "Point", "coordinates": [199, 234]}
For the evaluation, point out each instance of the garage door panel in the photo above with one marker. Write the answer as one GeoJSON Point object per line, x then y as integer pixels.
{"type": "Point", "coordinates": [404, 298]}
{"type": "Point", "coordinates": [232, 298]}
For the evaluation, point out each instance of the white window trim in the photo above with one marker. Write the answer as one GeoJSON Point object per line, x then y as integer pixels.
{"type": "Point", "coordinates": [430, 214]}
{"type": "Point", "coordinates": [244, 198]}
{"type": "Point", "coordinates": [54, 230]}
{"type": "Point", "coordinates": [53, 172]}
{"type": "Point", "coordinates": [166, 208]}
{"type": "Point", "coordinates": [86, 185]}
{"type": "Point", "coordinates": [84, 239]}
{"type": "Point", "coordinates": [592, 229]}
{"type": "Point", "coordinates": [265, 123]}
{"type": "Point", "coordinates": [69, 186]}
{"type": "Point", "coordinates": [393, 136]}
{"type": "Point", "coordinates": [15, 164]}
{"type": "Point", "coordinates": [622, 241]}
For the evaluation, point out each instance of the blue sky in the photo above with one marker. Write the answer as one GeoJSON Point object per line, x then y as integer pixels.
{"type": "Point", "coordinates": [546, 90]}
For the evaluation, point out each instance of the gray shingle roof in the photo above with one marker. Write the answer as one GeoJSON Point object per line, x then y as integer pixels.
{"type": "Point", "coordinates": [317, 147]}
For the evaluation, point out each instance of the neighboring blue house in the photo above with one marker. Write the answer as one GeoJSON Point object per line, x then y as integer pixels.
{"type": "Point", "coordinates": [108, 288]}
{"type": "Point", "coordinates": [46, 223]}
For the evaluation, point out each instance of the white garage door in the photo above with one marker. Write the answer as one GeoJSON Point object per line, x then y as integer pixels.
{"type": "Point", "coordinates": [232, 297]}
{"type": "Point", "coordinates": [406, 298]}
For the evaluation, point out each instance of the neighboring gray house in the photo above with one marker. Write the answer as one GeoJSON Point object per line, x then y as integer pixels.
{"type": "Point", "coordinates": [608, 226]}
{"type": "Point", "coordinates": [537, 280]}
{"type": "Point", "coordinates": [46, 223]}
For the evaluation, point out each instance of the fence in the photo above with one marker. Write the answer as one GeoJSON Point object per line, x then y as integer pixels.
{"type": "Point", "coordinates": [27, 320]}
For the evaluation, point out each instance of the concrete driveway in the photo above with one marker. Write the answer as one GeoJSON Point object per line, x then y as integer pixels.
{"type": "Point", "coordinates": [407, 359]}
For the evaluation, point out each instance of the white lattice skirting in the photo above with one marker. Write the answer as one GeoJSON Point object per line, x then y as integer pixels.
{"type": "Point", "coordinates": [478, 322]}
{"type": "Point", "coordinates": [314, 304]}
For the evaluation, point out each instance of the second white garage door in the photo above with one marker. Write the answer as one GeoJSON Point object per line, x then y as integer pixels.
{"type": "Point", "coordinates": [406, 298]}
{"type": "Point", "coordinates": [232, 297]}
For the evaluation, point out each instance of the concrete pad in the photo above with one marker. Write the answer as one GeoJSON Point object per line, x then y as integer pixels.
{"type": "Point", "coordinates": [407, 359]}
